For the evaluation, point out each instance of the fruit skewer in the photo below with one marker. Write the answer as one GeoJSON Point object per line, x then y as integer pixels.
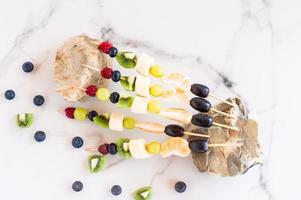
{"type": "Point", "coordinates": [145, 66]}
{"type": "Point", "coordinates": [117, 121]}
{"type": "Point", "coordinates": [145, 105]}
{"type": "Point", "coordinates": [180, 115]}
{"type": "Point", "coordinates": [139, 149]}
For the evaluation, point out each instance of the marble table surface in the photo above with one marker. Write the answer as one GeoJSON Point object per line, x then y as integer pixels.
{"type": "Point", "coordinates": [246, 48]}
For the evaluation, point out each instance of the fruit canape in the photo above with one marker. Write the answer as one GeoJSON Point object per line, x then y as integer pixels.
{"type": "Point", "coordinates": [140, 149]}
{"type": "Point", "coordinates": [117, 121]}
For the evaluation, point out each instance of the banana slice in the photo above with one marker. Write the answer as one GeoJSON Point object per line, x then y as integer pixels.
{"type": "Point", "coordinates": [144, 62]}
{"type": "Point", "coordinates": [116, 121]}
{"type": "Point", "coordinates": [175, 146]}
{"type": "Point", "coordinates": [179, 93]}
{"type": "Point", "coordinates": [177, 79]}
{"type": "Point", "coordinates": [139, 105]}
{"type": "Point", "coordinates": [142, 86]}
{"type": "Point", "coordinates": [177, 114]}
{"type": "Point", "coordinates": [150, 127]}
{"type": "Point", "coordinates": [137, 149]}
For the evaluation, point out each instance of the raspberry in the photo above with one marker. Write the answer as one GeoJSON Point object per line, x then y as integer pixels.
{"type": "Point", "coordinates": [104, 149]}
{"type": "Point", "coordinates": [105, 47]}
{"type": "Point", "coordinates": [69, 112]}
{"type": "Point", "coordinates": [91, 90]}
{"type": "Point", "coordinates": [106, 72]}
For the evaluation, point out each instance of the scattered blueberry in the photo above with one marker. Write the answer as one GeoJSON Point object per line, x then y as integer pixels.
{"type": "Point", "coordinates": [112, 148]}
{"type": "Point", "coordinates": [114, 97]}
{"type": "Point", "coordinates": [180, 187]}
{"type": "Point", "coordinates": [27, 67]}
{"type": "Point", "coordinates": [39, 136]}
{"type": "Point", "coordinates": [113, 52]}
{"type": "Point", "coordinates": [92, 114]}
{"type": "Point", "coordinates": [77, 142]}
{"type": "Point", "coordinates": [38, 100]}
{"type": "Point", "coordinates": [116, 75]}
{"type": "Point", "coordinates": [9, 94]}
{"type": "Point", "coordinates": [116, 190]}
{"type": "Point", "coordinates": [77, 186]}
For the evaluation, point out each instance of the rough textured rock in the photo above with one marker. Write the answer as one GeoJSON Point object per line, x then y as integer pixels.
{"type": "Point", "coordinates": [70, 74]}
{"type": "Point", "coordinates": [230, 161]}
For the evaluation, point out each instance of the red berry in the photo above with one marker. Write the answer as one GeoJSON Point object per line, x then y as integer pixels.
{"type": "Point", "coordinates": [104, 149]}
{"type": "Point", "coordinates": [69, 112]}
{"type": "Point", "coordinates": [106, 72]}
{"type": "Point", "coordinates": [105, 47]}
{"type": "Point", "coordinates": [91, 90]}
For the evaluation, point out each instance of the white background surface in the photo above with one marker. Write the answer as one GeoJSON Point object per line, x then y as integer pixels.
{"type": "Point", "coordinates": [252, 45]}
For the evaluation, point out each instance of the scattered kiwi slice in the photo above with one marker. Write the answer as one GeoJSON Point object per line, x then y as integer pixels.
{"type": "Point", "coordinates": [144, 193]}
{"type": "Point", "coordinates": [102, 120]}
{"type": "Point", "coordinates": [97, 163]}
{"type": "Point", "coordinates": [127, 59]}
{"type": "Point", "coordinates": [122, 148]}
{"type": "Point", "coordinates": [24, 120]}
{"type": "Point", "coordinates": [128, 82]}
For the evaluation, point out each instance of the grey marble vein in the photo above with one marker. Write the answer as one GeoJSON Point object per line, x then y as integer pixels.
{"type": "Point", "coordinates": [108, 33]}
{"type": "Point", "coordinates": [161, 171]}
{"type": "Point", "coordinates": [28, 32]}
{"type": "Point", "coordinates": [263, 185]}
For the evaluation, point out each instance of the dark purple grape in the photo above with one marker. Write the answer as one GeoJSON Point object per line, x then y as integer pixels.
{"type": "Point", "coordinates": [200, 104]}
{"type": "Point", "coordinates": [174, 130]}
{"type": "Point", "coordinates": [198, 146]}
{"type": "Point", "coordinates": [200, 90]}
{"type": "Point", "coordinates": [202, 120]}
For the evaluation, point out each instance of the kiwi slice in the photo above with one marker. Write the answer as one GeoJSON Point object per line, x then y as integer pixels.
{"type": "Point", "coordinates": [24, 120]}
{"type": "Point", "coordinates": [144, 193]}
{"type": "Point", "coordinates": [97, 163]}
{"type": "Point", "coordinates": [125, 101]}
{"type": "Point", "coordinates": [102, 120]}
{"type": "Point", "coordinates": [124, 153]}
{"type": "Point", "coordinates": [128, 82]}
{"type": "Point", "coordinates": [127, 59]}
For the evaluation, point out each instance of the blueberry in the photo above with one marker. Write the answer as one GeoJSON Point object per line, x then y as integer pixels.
{"type": "Point", "coordinates": [180, 187]}
{"type": "Point", "coordinates": [27, 67]}
{"type": "Point", "coordinates": [39, 136]}
{"type": "Point", "coordinates": [116, 190]}
{"type": "Point", "coordinates": [112, 148]}
{"type": "Point", "coordinates": [38, 100]}
{"type": "Point", "coordinates": [114, 97]}
{"type": "Point", "coordinates": [116, 75]}
{"type": "Point", "coordinates": [92, 114]}
{"type": "Point", "coordinates": [113, 52]}
{"type": "Point", "coordinates": [77, 142]}
{"type": "Point", "coordinates": [9, 94]}
{"type": "Point", "coordinates": [77, 186]}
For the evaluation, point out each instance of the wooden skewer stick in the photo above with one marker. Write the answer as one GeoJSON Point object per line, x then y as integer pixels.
{"type": "Point", "coordinates": [90, 67]}
{"type": "Point", "coordinates": [196, 134]}
{"type": "Point", "coordinates": [225, 145]}
{"type": "Point", "coordinates": [91, 149]}
{"type": "Point", "coordinates": [207, 121]}
{"type": "Point", "coordinates": [94, 42]}
{"type": "Point", "coordinates": [222, 113]}
{"type": "Point", "coordinates": [220, 99]}
{"type": "Point", "coordinates": [225, 126]}
{"type": "Point", "coordinates": [203, 105]}
{"type": "Point", "coordinates": [202, 146]}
